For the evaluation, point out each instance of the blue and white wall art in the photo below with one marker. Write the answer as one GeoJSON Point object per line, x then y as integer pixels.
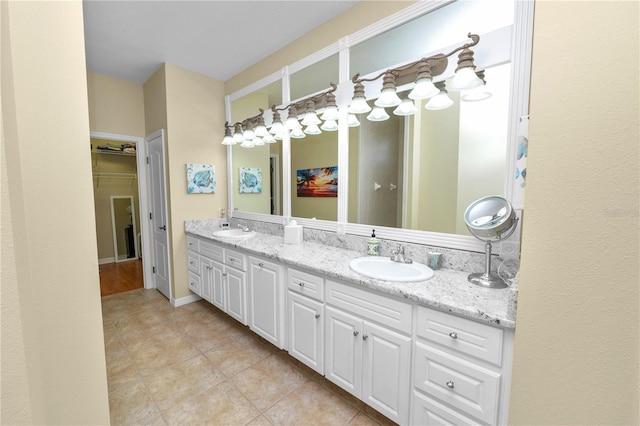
{"type": "Point", "coordinates": [201, 179]}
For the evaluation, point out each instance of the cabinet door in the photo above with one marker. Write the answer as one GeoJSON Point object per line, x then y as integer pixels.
{"type": "Point", "coordinates": [217, 286]}
{"type": "Point", "coordinates": [207, 277]}
{"type": "Point", "coordinates": [265, 307]}
{"type": "Point", "coordinates": [386, 371]}
{"type": "Point", "coordinates": [235, 289]}
{"type": "Point", "coordinates": [343, 350]}
{"type": "Point", "coordinates": [306, 331]}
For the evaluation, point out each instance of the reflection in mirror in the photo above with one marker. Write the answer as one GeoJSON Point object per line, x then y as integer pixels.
{"type": "Point", "coordinates": [314, 165]}
{"type": "Point", "coordinates": [422, 171]}
{"type": "Point", "coordinates": [123, 225]}
{"type": "Point", "coordinates": [314, 78]}
{"type": "Point", "coordinates": [257, 173]}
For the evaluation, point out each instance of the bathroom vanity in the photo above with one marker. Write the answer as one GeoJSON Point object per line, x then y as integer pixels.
{"type": "Point", "coordinates": [431, 352]}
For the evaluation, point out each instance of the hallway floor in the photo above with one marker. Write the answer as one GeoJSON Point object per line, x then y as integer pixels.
{"type": "Point", "coordinates": [194, 365]}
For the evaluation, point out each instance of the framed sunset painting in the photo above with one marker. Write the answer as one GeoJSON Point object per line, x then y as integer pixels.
{"type": "Point", "coordinates": [319, 182]}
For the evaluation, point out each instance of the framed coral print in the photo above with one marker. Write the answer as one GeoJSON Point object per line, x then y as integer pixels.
{"type": "Point", "coordinates": [250, 180]}
{"type": "Point", "coordinates": [201, 179]}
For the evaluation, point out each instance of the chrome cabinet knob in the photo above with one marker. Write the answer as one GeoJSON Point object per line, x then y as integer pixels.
{"type": "Point", "coordinates": [356, 332]}
{"type": "Point", "coordinates": [453, 335]}
{"type": "Point", "coordinates": [450, 384]}
{"type": "Point", "coordinates": [261, 264]}
{"type": "Point", "coordinates": [317, 316]}
{"type": "Point", "coordinates": [365, 337]}
{"type": "Point", "coordinates": [301, 284]}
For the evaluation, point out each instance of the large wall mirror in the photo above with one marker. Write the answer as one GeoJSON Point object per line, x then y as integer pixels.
{"type": "Point", "coordinates": [412, 176]}
{"type": "Point", "coordinates": [123, 225]}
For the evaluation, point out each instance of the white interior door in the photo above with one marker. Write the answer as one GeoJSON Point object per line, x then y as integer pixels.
{"type": "Point", "coordinates": [158, 214]}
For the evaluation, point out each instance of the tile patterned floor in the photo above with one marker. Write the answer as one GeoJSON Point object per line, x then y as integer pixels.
{"type": "Point", "coordinates": [194, 365]}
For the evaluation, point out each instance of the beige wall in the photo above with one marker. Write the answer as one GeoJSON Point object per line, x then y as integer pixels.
{"type": "Point", "coordinates": [115, 105]}
{"type": "Point", "coordinates": [576, 348]}
{"type": "Point", "coordinates": [53, 362]}
{"type": "Point", "coordinates": [195, 121]}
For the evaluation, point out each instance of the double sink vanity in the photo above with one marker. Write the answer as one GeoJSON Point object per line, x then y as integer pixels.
{"type": "Point", "coordinates": [431, 351]}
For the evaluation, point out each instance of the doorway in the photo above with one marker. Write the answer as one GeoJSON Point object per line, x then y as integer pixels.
{"type": "Point", "coordinates": [120, 197]}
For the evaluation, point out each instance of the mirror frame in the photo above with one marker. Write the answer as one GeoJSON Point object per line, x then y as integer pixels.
{"type": "Point", "coordinates": [520, 41]}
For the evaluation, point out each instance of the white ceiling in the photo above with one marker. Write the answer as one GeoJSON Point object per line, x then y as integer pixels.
{"type": "Point", "coordinates": [131, 39]}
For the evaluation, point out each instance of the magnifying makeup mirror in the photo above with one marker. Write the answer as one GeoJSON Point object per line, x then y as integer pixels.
{"type": "Point", "coordinates": [490, 219]}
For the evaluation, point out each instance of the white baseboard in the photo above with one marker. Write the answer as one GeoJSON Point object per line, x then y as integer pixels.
{"type": "Point", "coordinates": [185, 300]}
{"type": "Point", "coordinates": [106, 260]}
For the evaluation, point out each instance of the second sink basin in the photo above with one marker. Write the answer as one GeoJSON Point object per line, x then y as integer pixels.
{"type": "Point", "coordinates": [383, 268]}
{"type": "Point", "coordinates": [236, 234]}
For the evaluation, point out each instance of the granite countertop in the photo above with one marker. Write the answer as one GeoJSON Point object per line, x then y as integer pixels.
{"type": "Point", "coordinates": [448, 290]}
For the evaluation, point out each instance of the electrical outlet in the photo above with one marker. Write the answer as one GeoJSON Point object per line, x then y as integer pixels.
{"type": "Point", "coordinates": [222, 212]}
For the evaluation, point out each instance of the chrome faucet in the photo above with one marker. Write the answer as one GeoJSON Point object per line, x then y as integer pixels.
{"type": "Point", "coordinates": [243, 226]}
{"type": "Point", "coordinates": [397, 255]}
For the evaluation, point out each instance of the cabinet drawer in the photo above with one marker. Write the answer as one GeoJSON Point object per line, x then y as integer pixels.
{"type": "Point", "coordinates": [193, 261]}
{"type": "Point", "coordinates": [307, 284]}
{"type": "Point", "coordinates": [193, 243]}
{"type": "Point", "coordinates": [466, 336]}
{"type": "Point", "coordinates": [427, 411]}
{"type": "Point", "coordinates": [212, 251]}
{"type": "Point", "coordinates": [469, 387]}
{"type": "Point", "coordinates": [194, 283]}
{"type": "Point", "coordinates": [381, 309]}
{"type": "Point", "coordinates": [235, 259]}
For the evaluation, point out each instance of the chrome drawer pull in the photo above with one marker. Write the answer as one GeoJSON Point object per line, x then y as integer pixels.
{"type": "Point", "coordinates": [356, 332]}
{"type": "Point", "coordinates": [301, 284]}
{"type": "Point", "coordinates": [450, 384]}
{"type": "Point", "coordinates": [453, 335]}
{"type": "Point", "coordinates": [261, 264]}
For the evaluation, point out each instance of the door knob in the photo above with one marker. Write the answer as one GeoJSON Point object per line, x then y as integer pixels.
{"type": "Point", "coordinates": [163, 227]}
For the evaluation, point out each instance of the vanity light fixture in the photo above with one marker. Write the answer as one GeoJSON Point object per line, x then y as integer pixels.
{"type": "Point", "coordinates": [228, 137]}
{"type": "Point", "coordinates": [253, 132]}
{"type": "Point", "coordinates": [378, 114]}
{"type": "Point", "coordinates": [465, 78]}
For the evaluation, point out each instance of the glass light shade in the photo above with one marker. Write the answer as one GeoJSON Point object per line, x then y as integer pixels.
{"type": "Point", "coordinates": [330, 126]}
{"type": "Point", "coordinates": [292, 123]}
{"type": "Point", "coordinates": [247, 144]}
{"type": "Point", "coordinates": [405, 108]}
{"type": "Point", "coordinates": [388, 98]}
{"type": "Point", "coordinates": [268, 138]}
{"type": "Point", "coordinates": [260, 130]}
{"type": "Point", "coordinates": [475, 95]}
{"type": "Point", "coordinates": [440, 101]}
{"type": "Point", "coordinates": [330, 113]}
{"type": "Point", "coordinates": [227, 140]}
{"type": "Point", "coordinates": [237, 137]}
{"type": "Point", "coordinates": [278, 136]}
{"type": "Point", "coordinates": [423, 89]}
{"type": "Point", "coordinates": [310, 119]}
{"type": "Point", "coordinates": [312, 129]}
{"type": "Point", "coordinates": [297, 133]}
{"type": "Point", "coordinates": [465, 79]}
{"type": "Point", "coordinates": [276, 128]}
{"type": "Point", "coordinates": [248, 135]}
{"type": "Point", "coordinates": [359, 106]}
{"type": "Point", "coordinates": [378, 114]}
{"type": "Point", "coordinates": [352, 121]}
{"type": "Point", "coordinates": [257, 141]}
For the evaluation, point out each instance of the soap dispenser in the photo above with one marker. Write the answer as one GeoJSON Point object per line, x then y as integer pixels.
{"type": "Point", "coordinates": [373, 245]}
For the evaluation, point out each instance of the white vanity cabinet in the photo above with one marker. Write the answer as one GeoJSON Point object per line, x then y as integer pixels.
{"type": "Point", "coordinates": [461, 369]}
{"type": "Point", "coordinates": [266, 300]}
{"type": "Point", "coordinates": [368, 347]}
{"type": "Point", "coordinates": [218, 275]}
{"type": "Point", "coordinates": [306, 318]}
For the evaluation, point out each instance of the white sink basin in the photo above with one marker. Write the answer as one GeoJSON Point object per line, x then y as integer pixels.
{"type": "Point", "coordinates": [236, 234]}
{"type": "Point", "coordinates": [383, 268]}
